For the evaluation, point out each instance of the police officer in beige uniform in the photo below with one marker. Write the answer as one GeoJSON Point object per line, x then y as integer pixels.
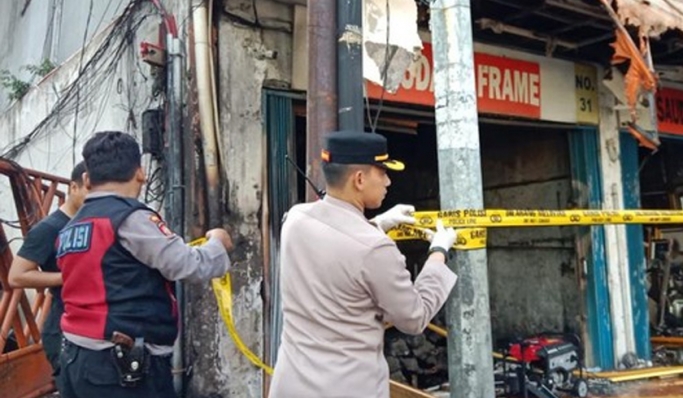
{"type": "Point", "coordinates": [342, 278]}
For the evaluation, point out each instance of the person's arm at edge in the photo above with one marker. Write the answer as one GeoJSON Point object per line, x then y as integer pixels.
{"type": "Point", "coordinates": [26, 274]}
{"type": "Point", "coordinates": [37, 249]}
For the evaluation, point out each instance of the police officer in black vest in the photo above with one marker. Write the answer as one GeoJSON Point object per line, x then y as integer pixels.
{"type": "Point", "coordinates": [118, 259]}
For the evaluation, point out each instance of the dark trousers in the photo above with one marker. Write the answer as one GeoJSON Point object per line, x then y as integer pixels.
{"type": "Point", "coordinates": [51, 338]}
{"type": "Point", "coordinates": [92, 374]}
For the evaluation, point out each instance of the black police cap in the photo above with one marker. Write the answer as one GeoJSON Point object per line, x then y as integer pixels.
{"type": "Point", "coordinates": [355, 147]}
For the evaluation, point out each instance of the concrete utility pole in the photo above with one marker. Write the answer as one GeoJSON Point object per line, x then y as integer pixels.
{"type": "Point", "coordinates": [470, 364]}
{"type": "Point", "coordinates": [321, 96]}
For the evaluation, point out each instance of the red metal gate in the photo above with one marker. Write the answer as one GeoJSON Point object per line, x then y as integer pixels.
{"type": "Point", "coordinates": [24, 370]}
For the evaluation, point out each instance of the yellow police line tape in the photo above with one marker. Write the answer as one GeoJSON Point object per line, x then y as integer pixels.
{"type": "Point", "coordinates": [471, 224]}
{"type": "Point", "coordinates": [222, 289]}
{"type": "Point", "coordinates": [471, 234]}
{"type": "Point", "coordinates": [467, 238]}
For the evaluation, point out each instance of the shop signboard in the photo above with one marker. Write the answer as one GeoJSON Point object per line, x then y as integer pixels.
{"type": "Point", "coordinates": [524, 86]}
{"type": "Point", "coordinates": [507, 82]}
{"type": "Point", "coordinates": [504, 85]}
{"type": "Point", "coordinates": [586, 93]}
{"type": "Point", "coordinates": [670, 110]}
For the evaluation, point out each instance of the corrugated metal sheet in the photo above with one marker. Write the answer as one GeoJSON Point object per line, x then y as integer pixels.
{"type": "Point", "coordinates": [636, 251]}
{"type": "Point", "coordinates": [279, 128]}
{"type": "Point", "coordinates": [585, 160]}
{"type": "Point", "coordinates": [653, 16]}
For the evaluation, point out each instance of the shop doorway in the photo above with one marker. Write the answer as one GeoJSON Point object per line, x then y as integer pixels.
{"type": "Point", "coordinates": [534, 274]}
{"type": "Point", "coordinates": [654, 180]}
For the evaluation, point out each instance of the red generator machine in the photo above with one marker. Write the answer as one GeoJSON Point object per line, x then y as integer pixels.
{"type": "Point", "coordinates": [542, 367]}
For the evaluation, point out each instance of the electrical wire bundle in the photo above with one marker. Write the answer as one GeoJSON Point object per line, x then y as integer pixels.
{"type": "Point", "coordinates": [155, 189]}
{"type": "Point", "coordinates": [98, 72]}
{"type": "Point", "coordinates": [11, 223]}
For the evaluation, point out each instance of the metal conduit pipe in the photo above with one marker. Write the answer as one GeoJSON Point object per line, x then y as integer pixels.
{"type": "Point", "coordinates": [175, 207]}
{"type": "Point", "coordinates": [214, 101]}
{"type": "Point", "coordinates": [203, 65]}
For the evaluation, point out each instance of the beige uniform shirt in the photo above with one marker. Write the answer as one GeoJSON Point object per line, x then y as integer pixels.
{"type": "Point", "coordinates": [341, 279]}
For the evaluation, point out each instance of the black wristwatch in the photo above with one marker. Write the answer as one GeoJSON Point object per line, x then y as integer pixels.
{"type": "Point", "coordinates": [438, 249]}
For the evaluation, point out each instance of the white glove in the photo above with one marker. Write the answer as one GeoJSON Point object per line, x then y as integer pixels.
{"type": "Point", "coordinates": [399, 214]}
{"type": "Point", "coordinates": [443, 238]}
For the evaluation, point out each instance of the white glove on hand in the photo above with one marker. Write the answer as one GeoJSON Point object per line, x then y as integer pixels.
{"type": "Point", "coordinates": [443, 238]}
{"type": "Point", "coordinates": [399, 214]}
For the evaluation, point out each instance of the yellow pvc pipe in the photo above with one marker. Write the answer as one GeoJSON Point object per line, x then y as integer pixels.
{"type": "Point", "coordinates": [667, 372]}
{"type": "Point", "coordinates": [667, 340]}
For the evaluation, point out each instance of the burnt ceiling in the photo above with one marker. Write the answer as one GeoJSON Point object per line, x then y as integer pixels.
{"type": "Point", "coordinates": [570, 29]}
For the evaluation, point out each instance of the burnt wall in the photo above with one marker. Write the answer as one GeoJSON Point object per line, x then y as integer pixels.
{"type": "Point", "coordinates": [531, 270]}
{"type": "Point", "coordinates": [532, 278]}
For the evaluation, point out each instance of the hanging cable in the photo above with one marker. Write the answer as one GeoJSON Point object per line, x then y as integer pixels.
{"type": "Point", "coordinates": [74, 137]}
{"type": "Point", "coordinates": [95, 74]}
{"type": "Point", "coordinates": [385, 69]}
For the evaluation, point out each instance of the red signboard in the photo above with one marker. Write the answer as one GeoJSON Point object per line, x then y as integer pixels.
{"type": "Point", "coordinates": [504, 85]}
{"type": "Point", "coordinates": [508, 86]}
{"type": "Point", "coordinates": [670, 110]}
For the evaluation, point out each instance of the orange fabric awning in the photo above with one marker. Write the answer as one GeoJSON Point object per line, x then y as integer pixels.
{"type": "Point", "coordinates": [639, 80]}
{"type": "Point", "coordinates": [639, 77]}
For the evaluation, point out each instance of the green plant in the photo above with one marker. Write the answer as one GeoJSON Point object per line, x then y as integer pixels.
{"type": "Point", "coordinates": [17, 88]}
{"type": "Point", "coordinates": [42, 69]}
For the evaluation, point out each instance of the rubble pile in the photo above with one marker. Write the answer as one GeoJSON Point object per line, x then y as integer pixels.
{"type": "Point", "coordinates": [420, 361]}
